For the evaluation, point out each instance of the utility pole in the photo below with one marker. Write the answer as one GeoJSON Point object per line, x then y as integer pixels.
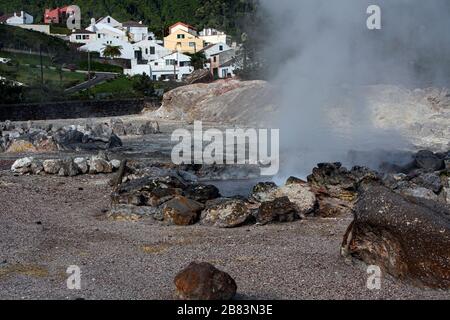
{"type": "Point", "coordinates": [89, 65]}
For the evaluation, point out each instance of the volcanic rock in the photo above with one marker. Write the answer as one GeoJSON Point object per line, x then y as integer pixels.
{"type": "Point", "coordinates": [223, 100]}
{"type": "Point", "coordinates": [408, 238]}
{"type": "Point", "coordinates": [199, 76]}
{"type": "Point", "coordinates": [100, 137]}
{"type": "Point", "coordinates": [298, 192]}
{"type": "Point", "coordinates": [68, 168]}
{"type": "Point", "coordinates": [202, 281]}
{"type": "Point", "coordinates": [429, 161]}
{"type": "Point", "coordinates": [99, 164]}
{"type": "Point", "coordinates": [336, 187]}
{"type": "Point", "coordinates": [225, 213]}
{"type": "Point", "coordinates": [201, 192]}
{"type": "Point", "coordinates": [148, 128]}
{"type": "Point", "coordinates": [52, 166]}
{"type": "Point", "coordinates": [181, 211]}
{"type": "Point", "coordinates": [22, 166]}
{"type": "Point", "coordinates": [118, 127]}
{"type": "Point", "coordinates": [148, 191]}
{"type": "Point", "coordinates": [419, 192]}
{"type": "Point", "coordinates": [278, 210]}
{"type": "Point", "coordinates": [82, 165]}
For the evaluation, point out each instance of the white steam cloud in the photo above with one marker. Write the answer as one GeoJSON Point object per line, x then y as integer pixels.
{"type": "Point", "coordinates": [319, 51]}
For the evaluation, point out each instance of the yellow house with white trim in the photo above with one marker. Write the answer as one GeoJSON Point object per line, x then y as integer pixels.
{"type": "Point", "coordinates": [183, 38]}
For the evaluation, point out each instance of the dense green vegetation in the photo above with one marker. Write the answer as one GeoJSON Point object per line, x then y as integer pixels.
{"type": "Point", "coordinates": [229, 15]}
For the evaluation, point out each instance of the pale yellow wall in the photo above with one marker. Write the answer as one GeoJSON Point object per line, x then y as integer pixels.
{"type": "Point", "coordinates": [172, 42]}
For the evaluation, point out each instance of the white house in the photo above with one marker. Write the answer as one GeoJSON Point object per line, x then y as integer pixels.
{"type": "Point", "coordinates": [17, 19]}
{"type": "Point", "coordinates": [213, 49]}
{"type": "Point", "coordinates": [222, 64]}
{"type": "Point", "coordinates": [108, 20]}
{"type": "Point", "coordinates": [104, 31]}
{"type": "Point", "coordinates": [213, 36]}
{"type": "Point", "coordinates": [149, 50]}
{"type": "Point", "coordinates": [82, 36]}
{"type": "Point", "coordinates": [136, 31]}
{"type": "Point", "coordinates": [99, 45]}
{"type": "Point", "coordinates": [172, 66]}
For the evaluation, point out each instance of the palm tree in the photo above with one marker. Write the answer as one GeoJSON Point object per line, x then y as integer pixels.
{"type": "Point", "coordinates": [111, 51]}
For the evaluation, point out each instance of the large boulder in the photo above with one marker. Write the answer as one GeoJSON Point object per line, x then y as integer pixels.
{"type": "Point", "coordinates": [52, 166]}
{"type": "Point", "coordinates": [199, 76]}
{"type": "Point", "coordinates": [278, 210]}
{"type": "Point", "coordinates": [181, 211]}
{"type": "Point", "coordinates": [97, 137]}
{"type": "Point", "coordinates": [429, 161]}
{"type": "Point", "coordinates": [201, 192]}
{"type": "Point", "coordinates": [408, 238]}
{"type": "Point", "coordinates": [225, 213]}
{"type": "Point", "coordinates": [336, 187]}
{"type": "Point", "coordinates": [298, 192]}
{"type": "Point", "coordinates": [202, 281]}
{"type": "Point", "coordinates": [148, 191]}
{"type": "Point", "coordinates": [99, 164]}
{"type": "Point", "coordinates": [22, 165]}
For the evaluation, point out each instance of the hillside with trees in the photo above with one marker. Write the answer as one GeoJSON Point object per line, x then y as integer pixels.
{"type": "Point", "coordinates": [228, 15]}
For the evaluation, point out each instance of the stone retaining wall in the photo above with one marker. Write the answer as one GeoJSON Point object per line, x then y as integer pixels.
{"type": "Point", "coordinates": [75, 109]}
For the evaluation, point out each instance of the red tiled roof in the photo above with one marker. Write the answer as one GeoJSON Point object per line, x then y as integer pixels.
{"type": "Point", "coordinates": [183, 24]}
{"type": "Point", "coordinates": [5, 17]}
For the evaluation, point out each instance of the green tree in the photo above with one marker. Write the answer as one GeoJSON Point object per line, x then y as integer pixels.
{"type": "Point", "coordinates": [198, 60]}
{"type": "Point", "coordinates": [143, 85]}
{"type": "Point", "coordinates": [110, 51]}
{"type": "Point", "coordinates": [10, 92]}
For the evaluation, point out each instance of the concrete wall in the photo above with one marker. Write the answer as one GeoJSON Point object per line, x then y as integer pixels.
{"type": "Point", "coordinates": [75, 109]}
{"type": "Point", "coordinates": [36, 27]}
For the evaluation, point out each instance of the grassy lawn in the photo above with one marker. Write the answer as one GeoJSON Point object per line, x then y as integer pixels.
{"type": "Point", "coordinates": [59, 30]}
{"type": "Point", "coordinates": [31, 76]}
{"type": "Point", "coordinates": [26, 58]}
{"type": "Point", "coordinates": [34, 60]}
{"type": "Point", "coordinates": [121, 87]}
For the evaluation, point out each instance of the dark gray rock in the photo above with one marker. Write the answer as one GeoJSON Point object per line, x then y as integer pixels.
{"type": "Point", "coordinates": [225, 213]}
{"type": "Point", "coordinates": [278, 210]}
{"type": "Point", "coordinates": [429, 161]}
{"type": "Point", "coordinates": [407, 237]}
{"type": "Point", "coordinates": [201, 192]}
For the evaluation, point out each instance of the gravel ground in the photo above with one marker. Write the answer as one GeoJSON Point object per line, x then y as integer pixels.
{"type": "Point", "coordinates": [50, 223]}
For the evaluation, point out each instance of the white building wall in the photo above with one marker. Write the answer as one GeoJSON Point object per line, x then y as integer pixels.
{"type": "Point", "coordinates": [216, 49]}
{"type": "Point", "coordinates": [146, 48]}
{"type": "Point", "coordinates": [44, 28]}
{"type": "Point", "coordinates": [138, 33]}
{"type": "Point", "coordinates": [108, 20]}
{"type": "Point", "coordinates": [99, 44]}
{"type": "Point", "coordinates": [20, 18]}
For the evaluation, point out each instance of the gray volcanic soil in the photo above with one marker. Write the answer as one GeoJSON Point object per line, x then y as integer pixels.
{"type": "Point", "coordinates": [49, 223]}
